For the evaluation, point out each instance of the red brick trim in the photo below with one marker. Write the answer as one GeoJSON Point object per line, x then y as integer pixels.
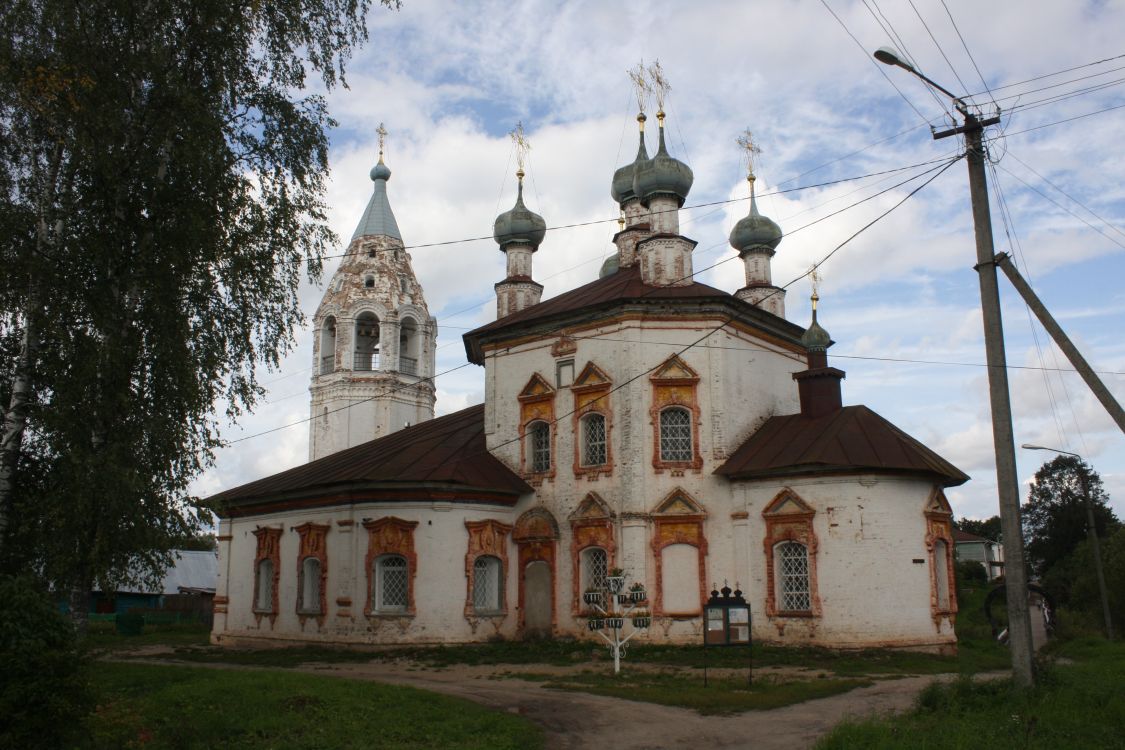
{"type": "Point", "coordinates": [269, 548]}
{"type": "Point", "coordinates": [313, 543]}
{"type": "Point", "coordinates": [390, 536]}
{"type": "Point", "coordinates": [536, 535]}
{"type": "Point", "coordinates": [675, 384]}
{"type": "Point", "coordinates": [789, 519]}
{"type": "Point", "coordinates": [939, 526]}
{"type": "Point", "coordinates": [486, 539]}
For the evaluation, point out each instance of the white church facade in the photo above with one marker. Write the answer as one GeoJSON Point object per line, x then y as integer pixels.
{"type": "Point", "coordinates": [643, 421]}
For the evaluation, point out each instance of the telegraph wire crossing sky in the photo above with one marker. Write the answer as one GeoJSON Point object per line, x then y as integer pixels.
{"type": "Point", "coordinates": [451, 82]}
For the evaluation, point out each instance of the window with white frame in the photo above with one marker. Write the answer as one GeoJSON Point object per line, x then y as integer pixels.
{"type": "Point", "coordinates": [593, 440]}
{"type": "Point", "coordinates": [310, 586]}
{"type": "Point", "coordinates": [391, 588]}
{"type": "Point", "coordinates": [675, 434]}
{"type": "Point", "coordinates": [792, 565]}
{"type": "Point", "coordinates": [488, 588]}
{"type": "Point", "coordinates": [263, 595]}
{"type": "Point", "coordinates": [595, 565]}
{"type": "Point", "coordinates": [539, 446]}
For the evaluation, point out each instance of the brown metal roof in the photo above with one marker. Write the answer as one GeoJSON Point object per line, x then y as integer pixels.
{"type": "Point", "coordinates": [851, 440]}
{"type": "Point", "coordinates": [964, 536]}
{"type": "Point", "coordinates": [624, 286]}
{"type": "Point", "coordinates": [447, 453]}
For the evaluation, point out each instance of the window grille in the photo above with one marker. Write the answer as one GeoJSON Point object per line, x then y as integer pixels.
{"type": "Point", "coordinates": [675, 435]}
{"type": "Point", "coordinates": [310, 585]}
{"type": "Point", "coordinates": [794, 577]}
{"type": "Point", "coordinates": [408, 365]}
{"type": "Point", "coordinates": [391, 583]}
{"type": "Point", "coordinates": [486, 584]}
{"type": "Point", "coordinates": [263, 601]}
{"type": "Point", "coordinates": [593, 440]}
{"type": "Point", "coordinates": [595, 565]}
{"type": "Point", "coordinates": [540, 447]}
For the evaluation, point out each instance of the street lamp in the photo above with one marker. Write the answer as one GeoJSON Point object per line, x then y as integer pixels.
{"type": "Point", "coordinates": [1015, 578]}
{"type": "Point", "coordinates": [1084, 478]}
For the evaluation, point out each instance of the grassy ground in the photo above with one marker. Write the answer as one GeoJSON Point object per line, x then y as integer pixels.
{"type": "Point", "coordinates": [721, 696]}
{"type": "Point", "coordinates": [1079, 702]}
{"type": "Point", "coordinates": [157, 706]}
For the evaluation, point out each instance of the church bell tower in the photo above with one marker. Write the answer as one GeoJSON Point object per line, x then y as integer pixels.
{"type": "Point", "coordinates": [374, 338]}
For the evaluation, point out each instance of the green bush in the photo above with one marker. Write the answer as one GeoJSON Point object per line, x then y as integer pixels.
{"type": "Point", "coordinates": [970, 573]}
{"type": "Point", "coordinates": [43, 687]}
{"type": "Point", "coordinates": [1073, 584]}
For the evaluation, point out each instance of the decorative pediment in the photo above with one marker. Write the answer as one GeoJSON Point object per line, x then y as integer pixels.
{"type": "Point", "coordinates": [536, 524]}
{"type": "Point", "coordinates": [536, 388]}
{"type": "Point", "coordinates": [591, 376]}
{"type": "Point", "coordinates": [565, 345]}
{"type": "Point", "coordinates": [787, 503]}
{"type": "Point", "coordinates": [592, 507]}
{"type": "Point", "coordinates": [674, 369]}
{"type": "Point", "coordinates": [679, 503]}
{"type": "Point", "coordinates": [938, 504]}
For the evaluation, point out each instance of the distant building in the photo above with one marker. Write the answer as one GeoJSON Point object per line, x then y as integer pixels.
{"type": "Point", "coordinates": [193, 573]}
{"type": "Point", "coordinates": [645, 421]}
{"type": "Point", "coordinates": [988, 553]}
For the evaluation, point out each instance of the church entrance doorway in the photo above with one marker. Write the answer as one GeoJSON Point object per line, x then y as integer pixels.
{"type": "Point", "coordinates": [536, 535]}
{"type": "Point", "coordinates": [537, 586]}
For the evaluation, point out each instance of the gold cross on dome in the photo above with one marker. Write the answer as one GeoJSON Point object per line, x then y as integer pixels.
{"type": "Point", "coordinates": [382, 133]}
{"type": "Point", "coordinates": [660, 84]}
{"type": "Point", "coordinates": [522, 145]}
{"type": "Point", "coordinates": [753, 150]}
{"type": "Point", "coordinates": [815, 278]}
{"type": "Point", "coordinates": [640, 83]}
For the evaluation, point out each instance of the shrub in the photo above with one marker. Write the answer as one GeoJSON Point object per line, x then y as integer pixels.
{"type": "Point", "coordinates": [43, 689]}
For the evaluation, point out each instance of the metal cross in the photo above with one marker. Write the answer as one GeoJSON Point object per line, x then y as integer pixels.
{"type": "Point", "coordinates": [752, 149]}
{"type": "Point", "coordinates": [659, 84]}
{"type": "Point", "coordinates": [641, 84]}
{"type": "Point", "coordinates": [382, 132]}
{"type": "Point", "coordinates": [522, 144]}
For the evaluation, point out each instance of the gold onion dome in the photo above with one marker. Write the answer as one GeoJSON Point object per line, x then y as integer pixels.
{"type": "Point", "coordinates": [519, 225]}
{"type": "Point", "coordinates": [662, 174]}
{"type": "Point", "coordinates": [755, 230]}
{"type": "Point", "coordinates": [622, 187]}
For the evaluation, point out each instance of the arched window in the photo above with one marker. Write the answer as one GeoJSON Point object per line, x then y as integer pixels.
{"type": "Point", "coordinates": [328, 345]}
{"type": "Point", "coordinates": [391, 578]}
{"type": "Point", "coordinates": [792, 566]}
{"type": "Point", "coordinates": [539, 446]}
{"type": "Point", "coordinates": [675, 434]}
{"type": "Point", "coordinates": [595, 564]}
{"type": "Point", "coordinates": [366, 356]}
{"type": "Point", "coordinates": [310, 586]}
{"type": "Point", "coordinates": [263, 589]}
{"type": "Point", "coordinates": [593, 440]}
{"type": "Point", "coordinates": [408, 346]}
{"type": "Point", "coordinates": [941, 573]}
{"type": "Point", "coordinates": [488, 585]}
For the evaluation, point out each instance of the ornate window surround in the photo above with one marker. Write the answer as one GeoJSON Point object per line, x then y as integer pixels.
{"type": "Point", "coordinates": [678, 519]}
{"type": "Point", "coordinates": [537, 404]}
{"type": "Point", "coordinates": [536, 534]}
{"type": "Point", "coordinates": [591, 525]}
{"type": "Point", "coordinates": [591, 391]}
{"type": "Point", "coordinates": [675, 383]}
{"type": "Point", "coordinates": [789, 519]}
{"type": "Point", "coordinates": [488, 538]}
{"type": "Point", "coordinates": [939, 525]}
{"type": "Point", "coordinates": [268, 548]}
{"type": "Point", "coordinates": [390, 536]}
{"type": "Point", "coordinates": [313, 543]}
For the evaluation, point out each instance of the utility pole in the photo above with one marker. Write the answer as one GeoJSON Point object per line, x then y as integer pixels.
{"type": "Point", "coordinates": [1015, 568]}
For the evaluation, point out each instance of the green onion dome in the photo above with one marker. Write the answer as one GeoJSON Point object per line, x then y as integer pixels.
{"type": "Point", "coordinates": [755, 230]}
{"type": "Point", "coordinates": [519, 225]}
{"type": "Point", "coordinates": [662, 174]}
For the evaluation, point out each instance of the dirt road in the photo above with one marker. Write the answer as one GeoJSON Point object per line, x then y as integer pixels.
{"type": "Point", "coordinates": [574, 720]}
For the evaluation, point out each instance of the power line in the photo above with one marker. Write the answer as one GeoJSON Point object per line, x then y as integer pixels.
{"type": "Point", "coordinates": [970, 54]}
{"type": "Point", "coordinates": [937, 44]}
{"type": "Point", "coordinates": [1059, 122]}
{"type": "Point", "coordinates": [1068, 195]}
{"type": "Point", "coordinates": [1049, 75]}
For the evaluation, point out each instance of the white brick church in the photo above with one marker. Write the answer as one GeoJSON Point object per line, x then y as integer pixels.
{"type": "Point", "coordinates": [643, 421]}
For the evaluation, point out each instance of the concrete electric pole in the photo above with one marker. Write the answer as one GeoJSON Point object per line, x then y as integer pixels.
{"type": "Point", "coordinates": [1015, 569]}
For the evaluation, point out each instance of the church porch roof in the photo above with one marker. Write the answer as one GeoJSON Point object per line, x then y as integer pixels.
{"type": "Point", "coordinates": [852, 439]}
{"type": "Point", "coordinates": [446, 457]}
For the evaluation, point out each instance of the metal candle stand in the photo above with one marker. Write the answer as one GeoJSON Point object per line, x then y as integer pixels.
{"type": "Point", "coordinates": [618, 606]}
{"type": "Point", "coordinates": [726, 622]}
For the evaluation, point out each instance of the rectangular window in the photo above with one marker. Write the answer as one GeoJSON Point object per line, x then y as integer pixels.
{"type": "Point", "coordinates": [564, 373]}
{"type": "Point", "coordinates": [594, 568]}
{"type": "Point", "coordinates": [486, 584]}
{"type": "Point", "coordinates": [540, 447]}
{"type": "Point", "coordinates": [593, 440]}
{"type": "Point", "coordinates": [675, 435]}
{"type": "Point", "coordinates": [793, 575]}
{"type": "Point", "coordinates": [391, 584]}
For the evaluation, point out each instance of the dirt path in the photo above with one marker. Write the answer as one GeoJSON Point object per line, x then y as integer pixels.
{"type": "Point", "coordinates": [575, 720]}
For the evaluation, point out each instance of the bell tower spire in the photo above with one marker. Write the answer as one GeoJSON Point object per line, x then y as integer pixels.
{"type": "Point", "coordinates": [373, 336]}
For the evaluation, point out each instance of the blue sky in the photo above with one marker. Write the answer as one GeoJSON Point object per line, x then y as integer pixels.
{"type": "Point", "coordinates": [451, 79]}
